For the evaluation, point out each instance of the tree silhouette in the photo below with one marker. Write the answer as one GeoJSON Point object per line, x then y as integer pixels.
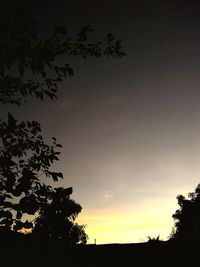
{"type": "Point", "coordinates": [56, 216]}
{"type": "Point", "coordinates": [187, 218]}
{"type": "Point", "coordinates": [24, 157]}
{"type": "Point", "coordinates": [25, 54]}
{"type": "Point", "coordinates": [30, 66]}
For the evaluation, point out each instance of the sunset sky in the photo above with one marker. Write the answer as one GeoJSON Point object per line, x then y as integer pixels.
{"type": "Point", "coordinates": [130, 127]}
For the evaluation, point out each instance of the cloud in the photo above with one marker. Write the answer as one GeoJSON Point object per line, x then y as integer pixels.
{"type": "Point", "coordinates": [108, 195]}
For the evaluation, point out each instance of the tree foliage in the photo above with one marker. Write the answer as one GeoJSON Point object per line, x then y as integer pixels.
{"type": "Point", "coordinates": [24, 158]}
{"type": "Point", "coordinates": [24, 54]}
{"type": "Point", "coordinates": [187, 217]}
{"type": "Point", "coordinates": [30, 65]}
{"type": "Point", "coordinates": [56, 217]}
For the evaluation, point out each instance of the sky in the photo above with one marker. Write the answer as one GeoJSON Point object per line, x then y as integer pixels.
{"type": "Point", "coordinates": [130, 127]}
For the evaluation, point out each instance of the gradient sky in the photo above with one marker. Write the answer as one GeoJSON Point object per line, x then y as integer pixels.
{"type": "Point", "coordinates": [130, 127]}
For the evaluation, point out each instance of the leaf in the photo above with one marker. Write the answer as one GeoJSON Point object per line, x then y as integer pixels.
{"type": "Point", "coordinates": [28, 225]}
{"type": "Point", "coordinates": [59, 174]}
{"type": "Point", "coordinates": [39, 95]}
{"type": "Point", "coordinates": [110, 37]}
{"type": "Point", "coordinates": [22, 125]}
{"type": "Point", "coordinates": [8, 204]}
{"type": "Point", "coordinates": [59, 145]}
{"type": "Point", "coordinates": [8, 215]}
{"type": "Point", "coordinates": [3, 221]}
{"type": "Point", "coordinates": [8, 196]}
{"type": "Point", "coordinates": [17, 192]}
{"type": "Point", "coordinates": [11, 121]}
{"type": "Point", "coordinates": [5, 214]}
{"type": "Point", "coordinates": [37, 149]}
{"type": "Point", "coordinates": [54, 139]}
{"type": "Point", "coordinates": [13, 140]}
{"type": "Point", "coordinates": [18, 226]}
{"type": "Point", "coordinates": [12, 163]}
{"type": "Point", "coordinates": [6, 221]}
{"type": "Point", "coordinates": [68, 191]}
{"type": "Point", "coordinates": [19, 215]}
{"type": "Point", "coordinates": [29, 124]}
{"type": "Point", "coordinates": [54, 176]}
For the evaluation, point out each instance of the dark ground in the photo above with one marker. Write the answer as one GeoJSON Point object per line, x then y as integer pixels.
{"type": "Point", "coordinates": [139, 254]}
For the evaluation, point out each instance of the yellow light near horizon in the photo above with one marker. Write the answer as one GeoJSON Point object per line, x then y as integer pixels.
{"type": "Point", "coordinates": [128, 225]}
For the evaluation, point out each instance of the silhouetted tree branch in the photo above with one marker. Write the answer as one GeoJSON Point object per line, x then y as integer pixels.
{"type": "Point", "coordinates": [25, 54]}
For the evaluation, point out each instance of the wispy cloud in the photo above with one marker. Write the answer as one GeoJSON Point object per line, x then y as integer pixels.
{"type": "Point", "coordinates": [108, 195]}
